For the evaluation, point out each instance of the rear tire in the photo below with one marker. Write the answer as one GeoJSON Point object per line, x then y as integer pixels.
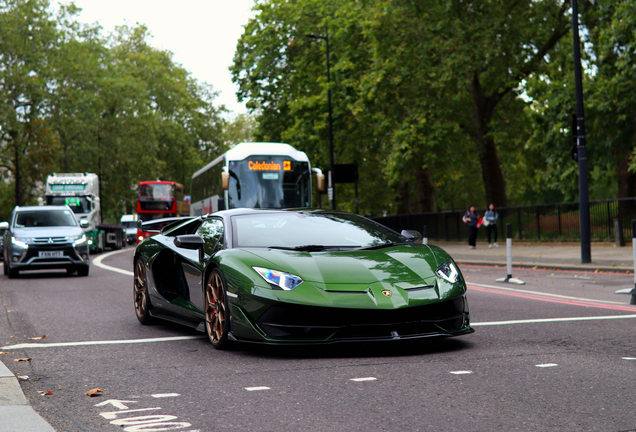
{"type": "Point", "coordinates": [217, 314]}
{"type": "Point", "coordinates": [140, 293]}
{"type": "Point", "coordinates": [5, 270]}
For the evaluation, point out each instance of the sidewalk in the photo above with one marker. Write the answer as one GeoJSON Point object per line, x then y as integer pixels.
{"type": "Point", "coordinates": [16, 415]}
{"type": "Point", "coordinates": [559, 256]}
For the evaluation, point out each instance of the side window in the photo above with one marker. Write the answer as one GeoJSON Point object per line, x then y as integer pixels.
{"type": "Point", "coordinates": [211, 231]}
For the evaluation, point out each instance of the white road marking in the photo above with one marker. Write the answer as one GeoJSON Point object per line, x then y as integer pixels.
{"type": "Point", "coordinates": [547, 365]}
{"type": "Point", "coordinates": [88, 343]}
{"type": "Point", "coordinates": [164, 395]}
{"type": "Point", "coordinates": [544, 294]}
{"type": "Point", "coordinates": [98, 262]}
{"type": "Point", "coordinates": [363, 379]}
{"type": "Point", "coordinates": [111, 415]}
{"type": "Point", "coordinates": [629, 358]}
{"type": "Point", "coordinates": [461, 372]}
{"type": "Point", "coordinates": [551, 320]}
{"type": "Point", "coordinates": [257, 388]}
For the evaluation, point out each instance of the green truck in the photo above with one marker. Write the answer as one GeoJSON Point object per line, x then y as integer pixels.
{"type": "Point", "coordinates": [80, 191]}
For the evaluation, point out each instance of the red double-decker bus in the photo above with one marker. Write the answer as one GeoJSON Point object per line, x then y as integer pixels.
{"type": "Point", "coordinates": [160, 199]}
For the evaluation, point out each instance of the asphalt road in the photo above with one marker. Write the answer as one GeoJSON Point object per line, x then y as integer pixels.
{"type": "Point", "coordinates": [554, 354]}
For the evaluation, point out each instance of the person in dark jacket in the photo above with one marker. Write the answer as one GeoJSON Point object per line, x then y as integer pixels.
{"type": "Point", "coordinates": [471, 219]}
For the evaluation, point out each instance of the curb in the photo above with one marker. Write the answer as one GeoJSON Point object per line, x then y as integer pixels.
{"type": "Point", "coordinates": [16, 415]}
{"type": "Point", "coordinates": [590, 268]}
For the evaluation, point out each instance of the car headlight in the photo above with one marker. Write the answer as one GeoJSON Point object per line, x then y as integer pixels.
{"type": "Point", "coordinates": [23, 242]}
{"type": "Point", "coordinates": [282, 280]}
{"type": "Point", "coordinates": [448, 271]}
{"type": "Point", "coordinates": [78, 239]}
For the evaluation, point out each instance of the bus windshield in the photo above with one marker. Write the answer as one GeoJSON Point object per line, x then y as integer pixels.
{"type": "Point", "coordinates": [269, 182]}
{"type": "Point", "coordinates": [157, 192]}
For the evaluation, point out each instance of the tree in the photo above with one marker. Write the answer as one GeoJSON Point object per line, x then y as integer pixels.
{"type": "Point", "coordinates": [27, 144]}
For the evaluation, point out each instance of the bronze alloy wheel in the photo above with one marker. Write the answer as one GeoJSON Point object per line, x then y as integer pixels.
{"type": "Point", "coordinates": [216, 314]}
{"type": "Point", "coordinates": [142, 301]}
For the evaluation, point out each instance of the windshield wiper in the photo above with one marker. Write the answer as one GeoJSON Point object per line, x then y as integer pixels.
{"type": "Point", "coordinates": [383, 245]}
{"type": "Point", "coordinates": [304, 248]}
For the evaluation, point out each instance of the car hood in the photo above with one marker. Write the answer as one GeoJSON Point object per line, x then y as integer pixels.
{"type": "Point", "coordinates": [64, 231]}
{"type": "Point", "coordinates": [402, 263]}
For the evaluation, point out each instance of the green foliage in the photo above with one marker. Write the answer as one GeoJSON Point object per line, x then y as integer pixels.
{"type": "Point", "coordinates": [425, 95]}
{"type": "Point", "coordinates": [79, 101]}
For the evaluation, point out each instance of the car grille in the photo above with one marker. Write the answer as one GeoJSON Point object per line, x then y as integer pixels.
{"type": "Point", "coordinates": [334, 324]}
{"type": "Point", "coordinates": [50, 240]}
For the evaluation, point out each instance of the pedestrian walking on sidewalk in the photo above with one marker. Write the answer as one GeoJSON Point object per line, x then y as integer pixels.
{"type": "Point", "coordinates": [471, 219]}
{"type": "Point", "coordinates": [490, 222]}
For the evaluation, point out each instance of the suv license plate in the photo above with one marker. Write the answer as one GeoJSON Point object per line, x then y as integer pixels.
{"type": "Point", "coordinates": [50, 254]}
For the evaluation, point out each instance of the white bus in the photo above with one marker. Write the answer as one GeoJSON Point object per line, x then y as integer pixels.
{"type": "Point", "coordinates": [254, 175]}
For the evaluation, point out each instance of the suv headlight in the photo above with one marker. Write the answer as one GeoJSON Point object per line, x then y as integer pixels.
{"type": "Point", "coordinates": [282, 280]}
{"type": "Point", "coordinates": [78, 239]}
{"type": "Point", "coordinates": [22, 242]}
{"type": "Point", "coordinates": [448, 271]}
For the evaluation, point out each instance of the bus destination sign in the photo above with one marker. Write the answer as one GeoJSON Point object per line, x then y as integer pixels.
{"type": "Point", "coordinates": [269, 166]}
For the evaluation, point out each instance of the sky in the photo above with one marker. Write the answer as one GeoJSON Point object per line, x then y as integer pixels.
{"type": "Point", "coordinates": [202, 34]}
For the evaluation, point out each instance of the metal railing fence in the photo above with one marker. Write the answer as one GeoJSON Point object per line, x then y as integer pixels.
{"type": "Point", "coordinates": [545, 222]}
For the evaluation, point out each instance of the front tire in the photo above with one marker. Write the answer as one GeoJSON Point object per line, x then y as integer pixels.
{"type": "Point", "coordinates": [83, 271]}
{"type": "Point", "coordinates": [140, 291]}
{"type": "Point", "coordinates": [217, 315]}
{"type": "Point", "coordinates": [12, 273]}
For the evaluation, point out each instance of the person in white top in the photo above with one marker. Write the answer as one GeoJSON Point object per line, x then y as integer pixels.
{"type": "Point", "coordinates": [490, 222]}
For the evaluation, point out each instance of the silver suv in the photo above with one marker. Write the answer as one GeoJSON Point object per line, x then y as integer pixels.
{"type": "Point", "coordinates": [44, 237]}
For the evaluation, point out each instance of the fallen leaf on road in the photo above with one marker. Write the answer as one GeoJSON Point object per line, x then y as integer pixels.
{"type": "Point", "coordinates": [23, 359]}
{"type": "Point", "coordinates": [4, 352]}
{"type": "Point", "coordinates": [12, 336]}
{"type": "Point", "coordinates": [93, 392]}
{"type": "Point", "coordinates": [37, 338]}
{"type": "Point", "coordinates": [46, 393]}
{"type": "Point", "coordinates": [23, 377]}
{"type": "Point", "coordinates": [10, 310]}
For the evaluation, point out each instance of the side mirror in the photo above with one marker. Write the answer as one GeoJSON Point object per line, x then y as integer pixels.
{"type": "Point", "coordinates": [4, 225]}
{"type": "Point", "coordinates": [411, 235]}
{"type": "Point", "coordinates": [190, 241]}
{"type": "Point", "coordinates": [83, 223]}
{"type": "Point", "coordinates": [225, 180]}
{"type": "Point", "coordinates": [321, 182]}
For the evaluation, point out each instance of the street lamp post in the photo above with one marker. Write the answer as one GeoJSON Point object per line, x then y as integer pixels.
{"type": "Point", "coordinates": [331, 178]}
{"type": "Point", "coordinates": [584, 202]}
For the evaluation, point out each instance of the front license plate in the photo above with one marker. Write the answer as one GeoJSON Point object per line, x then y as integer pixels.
{"type": "Point", "coordinates": [50, 254]}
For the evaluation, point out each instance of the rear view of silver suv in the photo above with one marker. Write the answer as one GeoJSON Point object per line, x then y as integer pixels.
{"type": "Point", "coordinates": [44, 237]}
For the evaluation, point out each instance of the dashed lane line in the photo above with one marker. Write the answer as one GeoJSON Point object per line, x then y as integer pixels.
{"type": "Point", "coordinates": [98, 262]}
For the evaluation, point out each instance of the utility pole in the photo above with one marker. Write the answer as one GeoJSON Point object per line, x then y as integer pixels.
{"type": "Point", "coordinates": [331, 176]}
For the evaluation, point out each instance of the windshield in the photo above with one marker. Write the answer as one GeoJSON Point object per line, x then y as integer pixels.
{"type": "Point", "coordinates": [44, 218]}
{"type": "Point", "coordinates": [269, 182]}
{"type": "Point", "coordinates": [293, 230]}
{"type": "Point", "coordinates": [79, 204]}
{"type": "Point", "coordinates": [157, 192]}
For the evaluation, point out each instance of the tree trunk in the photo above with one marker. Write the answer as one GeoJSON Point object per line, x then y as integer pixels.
{"type": "Point", "coordinates": [403, 191]}
{"type": "Point", "coordinates": [17, 173]}
{"type": "Point", "coordinates": [426, 190]}
{"type": "Point", "coordinates": [483, 109]}
{"type": "Point", "coordinates": [626, 179]}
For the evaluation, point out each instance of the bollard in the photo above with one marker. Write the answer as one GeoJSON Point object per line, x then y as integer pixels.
{"type": "Point", "coordinates": [633, 299]}
{"type": "Point", "coordinates": [618, 233]}
{"type": "Point", "coordinates": [424, 237]}
{"type": "Point", "coordinates": [509, 278]}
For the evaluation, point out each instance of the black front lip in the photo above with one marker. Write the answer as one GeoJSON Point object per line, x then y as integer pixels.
{"type": "Point", "coordinates": [284, 323]}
